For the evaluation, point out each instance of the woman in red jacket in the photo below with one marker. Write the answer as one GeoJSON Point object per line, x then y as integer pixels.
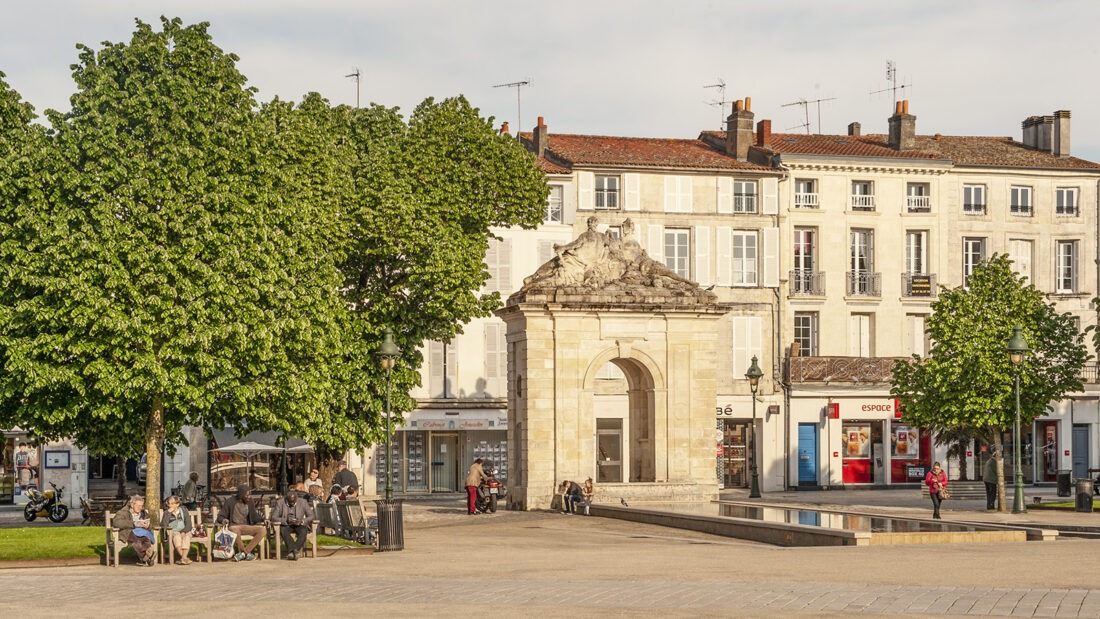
{"type": "Point", "coordinates": [936, 479]}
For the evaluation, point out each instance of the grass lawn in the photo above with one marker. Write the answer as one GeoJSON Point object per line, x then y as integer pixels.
{"type": "Point", "coordinates": [1067, 506]}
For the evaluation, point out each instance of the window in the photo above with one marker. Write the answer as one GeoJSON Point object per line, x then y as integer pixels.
{"type": "Point", "coordinates": [1065, 201]}
{"type": "Point", "coordinates": [862, 280]}
{"type": "Point", "coordinates": [805, 193]}
{"type": "Point", "coordinates": [498, 261]}
{"type": "Point", "coordinates": [1020, 252]}
{"type": "Point", "coordinates": [744, 258]}
{"type": "Point", "coordinates": [804, 278]}
{"type": "Point", "coordinates": [1020, 200]}
{"type": "Point", "coordinates": [747, 332]}
{"type": "Point", "coordinates": [918, 198]}
{"type": "Point", "coordinates": [973, 255]}
{"type": "Point", "coordinates": [554, 205]}
{"type": "Point", "coordinates": [805, 333]}
{"type": "Point", "coordinates": [916, 248]}
{"type": "Point", "coordinates": [916, 340]}
{"type": "Point", "coordinates": [610, 371]}
{"type": "Point", "coordinates": [1066, 275]}
{"type": "Point", "coordinates": [496, 360]}
{"type": "Point", "coordinates": [441, 369]}
{"type": "Point", "coordinates": [677, 244]}
{"type": "Point", "coordinates": [860, 336]}
{"type": "Point", "coordinates": [607, 193]}
{"type": "Point", "coordinates": [744, 196]}
{"type": "Point", "coordinates": [974, 199]}
{"type": "Point", "coordinates": [678, 194]}
{"type": "Point", "coordinates": [863, 196]}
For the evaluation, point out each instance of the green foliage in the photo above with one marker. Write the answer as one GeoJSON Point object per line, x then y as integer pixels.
{"type": "Point", "coordinates": [966, 381]}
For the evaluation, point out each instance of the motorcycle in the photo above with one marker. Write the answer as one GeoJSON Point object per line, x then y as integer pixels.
{"type": "Point", "coordinates": [489, 491]}
{"type": "Point", "coordinates": [46, 504]}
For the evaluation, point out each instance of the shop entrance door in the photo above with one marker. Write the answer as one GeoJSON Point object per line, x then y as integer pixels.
{"type": "Point", "coordinates": [807, 454]}
{"type": "Point", "coordinates": [445, 469]}
{"type": "Point", "coordinates": [1080, 450]}
{"type": "Point", "coordinates": [734, 436]}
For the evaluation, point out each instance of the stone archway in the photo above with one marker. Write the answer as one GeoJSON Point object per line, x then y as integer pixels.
{"type": "Point", "coordinates": [604, 301]}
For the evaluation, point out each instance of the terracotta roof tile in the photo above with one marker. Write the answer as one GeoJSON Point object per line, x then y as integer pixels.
{"type": "Point", "coordinates": [600, 150]}
{"type": "Point", "coordinates": [549, 167]}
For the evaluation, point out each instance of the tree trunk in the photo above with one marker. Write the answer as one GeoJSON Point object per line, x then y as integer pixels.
{"type": "Point", "coordinates": [120, 463]}
{"type": "Point", "coordinates": [964, 445]}
{"type": "Point", "coordinates": [1000, 471]}
{"type": "Point", "coordinates": [327, 459]}
{"type": "Point", "coordinates": [154, 440]}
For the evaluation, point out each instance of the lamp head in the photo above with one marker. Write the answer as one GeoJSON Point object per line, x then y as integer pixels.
{"type": "Point", "coordinates": [388, 352]}
{"type": "Point", "coordinates": [753, 374]}
{"type": "Point", "coordinates": [1017, 346]}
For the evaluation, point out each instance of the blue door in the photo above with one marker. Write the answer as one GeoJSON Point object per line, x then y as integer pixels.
{"type": "Point", "coordinates": [807, 454]}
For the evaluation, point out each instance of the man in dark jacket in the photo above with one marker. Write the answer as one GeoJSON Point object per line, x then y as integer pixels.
{"type": "Point", "coordinates": [133, 517]}
{"type": "Point", "coordinates": [345, 478]}
{"type": "Point", "coordinates": [571, 494]}
{"type": "Point", "coordinates": [295, 518]}
{"type": "Point", "coordinates": [244, 519]}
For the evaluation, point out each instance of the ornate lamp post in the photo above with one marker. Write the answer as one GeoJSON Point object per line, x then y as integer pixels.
{"type": "Point", "coordinates": [391, 534]}
{"type": "Point", "coordinates": [753, 374]}
{"type": "Point", "coordinates": [1017, 348]}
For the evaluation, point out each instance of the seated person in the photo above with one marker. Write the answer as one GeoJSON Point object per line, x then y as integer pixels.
{"type": "Point", "coordinates": [570, 495]}
{"type": "Point", "coordinates": [295, 517]}
{"type": "Point", "coordinates": [133, 529]}
{"type": "Point", "coordinates": [244, 519]}
{"type": "Point", "coordinates": [588, 491]}
{"type": "Point", "coordinates": [314, 494]}
{"type": "Point", "coordinates": [176, 522]}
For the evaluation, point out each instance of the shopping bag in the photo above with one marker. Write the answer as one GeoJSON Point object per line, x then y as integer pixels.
{"type": "Point", "coordinates": [224, 543]}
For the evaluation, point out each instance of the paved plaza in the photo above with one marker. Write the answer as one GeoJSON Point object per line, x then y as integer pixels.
{"type": "Point", "coordinates": [548, 564]}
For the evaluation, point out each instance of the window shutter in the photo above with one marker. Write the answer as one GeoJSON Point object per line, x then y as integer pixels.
{"type": "Point", "coordinates": [656, 243]}
{"type": "Point", "coordinates": [725, 195]}
{"type": "Point", "coordinates": [702, 255]}
{"type": "Point", "coordinates": [771, 196]}
{"type": "Point", "coordinates": [452, 371]}
{"type": "Point", "coordinates": [569, 203]}
{"type": "Point", "coordinates": [504, 267]}
{"type": "Point", "coordinates": [723, 256]}
{"type": "Point", "coordinates": [687, 198]}
{"type": "Point", "coordinates": [770, 275]}
{"type": "Point", "coordinates": [632, 192]}
{"type": "Point", "coordinates": [496, 359]}
{"type": "Point", "coordinates": [586, 181]}
{"type": "Point", "coordinates": [746, 343]}
{"type": "Point", "coordinates": [435, 369]}
{"type": "Point", "coordinates": [670, 194]}
{"type": "Point", "coordinates": [546, 252]}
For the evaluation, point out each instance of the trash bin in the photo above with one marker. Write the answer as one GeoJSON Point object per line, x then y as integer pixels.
{"type": "Point", "coordinates": [1084, 495]}
{"type": "Point", "coordinates": [1065, 483]}
{"type": "Point", "coordinates": [391, 530]}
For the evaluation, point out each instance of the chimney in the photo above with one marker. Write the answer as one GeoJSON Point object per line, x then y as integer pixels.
{"type": "Point", "coordinates": [763, 132]}
{"type": "Point", "coordinates": [504, 128]}
{"type": "Point", "coordinates": [903, 127]}
{"type": "Point", "coordinates": [1060, 147]}
{"type": "Point", "coordinates": [854, 129]}
{"type": "Point", "coordinates": [739, 129]}
{"type": "Point", "coordinates": [1031, 131]}
{"type": "Point", "coordinates": [1045, 129]}
{"type": "Point", "coordinates": [542, 138]}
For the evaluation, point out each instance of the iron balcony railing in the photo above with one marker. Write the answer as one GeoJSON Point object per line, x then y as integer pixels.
{"type": "Point", "coordinates": [864, 284]}
{"type": "Point", "coordinates": [841, 369]}
{"type": "Point", "coordinates": [804, 282]}
{"type": "Point", "coordinates": [918, 284]}
{"type": "Point", "coordinates": [1090, 375]}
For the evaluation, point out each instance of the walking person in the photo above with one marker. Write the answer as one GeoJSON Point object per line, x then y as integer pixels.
{"type": "Point", "coordinates": [936, 480]}
{"type": "Point", "coordinates": [474, 477]}
{"type": "Point", "coordinates": [989, 476]}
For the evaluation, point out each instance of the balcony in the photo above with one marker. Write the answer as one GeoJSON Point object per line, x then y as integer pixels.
{"type": "Point", "coordinates": [744, 203]}
{"type": "Point", "coordinates": [864, 284]}
{"type": "Point", "coordinates": [807, 283]}
{"type": "Point", "coordinates": [918, 285]}
{"type": "Point", "coordinates": [805, 200]}
{"type": "Point", "coordinates": [919, 204]}
{"type": "Point", "coordinates": [841, 369]}
{"type": "Point", "coordinates": [1090, 375]}
{"type": "Point", "coordinates": [863, 203]}
{"type": "Point", "coordinates": [973, 209]}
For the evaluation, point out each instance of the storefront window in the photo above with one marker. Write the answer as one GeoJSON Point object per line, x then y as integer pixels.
{"type": "Point", "coordinates": [734, 462]}
{"type": "Point", "coordinates": [910, 452]}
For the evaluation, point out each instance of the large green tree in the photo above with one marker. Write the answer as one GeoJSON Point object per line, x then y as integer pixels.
{"type": "Point", "coordinates": [965, 383]}
{"type": "Point", "coordinates": [165, 280]}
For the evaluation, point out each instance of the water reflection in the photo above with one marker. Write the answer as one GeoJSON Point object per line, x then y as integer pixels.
{"type": "Point", "coordinates": [833, 520]}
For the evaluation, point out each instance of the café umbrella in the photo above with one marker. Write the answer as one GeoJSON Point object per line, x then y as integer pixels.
{"type": "Point", "coordinates": [249, 450]}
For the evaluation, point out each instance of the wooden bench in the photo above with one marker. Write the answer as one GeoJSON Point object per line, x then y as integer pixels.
{"type": "Point", "coordinates": [355, 520]}
{"type": "Point", "coordinates": [205, 544]}
{"type": "Point", "coordinates": [960, 489]}
{"type": "Point", "coordinates": [311, 540]}
{"type": "Point", "coordinates": [98, 506]}
{"type": "Point", "coordinates": [115, 545]}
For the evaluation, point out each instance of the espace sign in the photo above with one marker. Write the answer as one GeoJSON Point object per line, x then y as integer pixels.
{"type": "Point", "coordinates": [864, 409]}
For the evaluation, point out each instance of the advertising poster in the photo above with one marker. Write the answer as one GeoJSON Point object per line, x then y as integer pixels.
{"type": "Point", "coordinates": [905, 442]}
{"type": "Point", "coordinates": [857, 440]}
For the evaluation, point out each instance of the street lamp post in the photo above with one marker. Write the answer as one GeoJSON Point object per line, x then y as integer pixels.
{"type": "Point", "coordinates": [753, 374]}
{"type": "Point", "coordinates": [391, 535]}
{"type": "Point", "coordinates": [1017, 348]}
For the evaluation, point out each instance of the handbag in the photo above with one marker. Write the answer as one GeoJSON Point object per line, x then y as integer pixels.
{"type": "Point", "coordinates": [224, 544]}
{"type": "Point", "coordinates": [944, 494]}
{"type": "Point", "coordinates": [199, 531]}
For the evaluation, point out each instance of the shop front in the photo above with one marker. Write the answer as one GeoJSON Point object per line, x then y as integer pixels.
{"type": "Point", "coordinates": [433, 449]}
{"type": "Point", "coordinates": [734, 448]}
{"type": "Point", "coordinates": [27, 464]}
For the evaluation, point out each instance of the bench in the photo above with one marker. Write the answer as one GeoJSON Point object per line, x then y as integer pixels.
{"type": "Point", "coordinates": [97, 507]}
{"type": "Point", "coordinates": [960, 489]}
{"type": "Point", "coordinates": [311, 539]}
{"type": "Point", "coordinates": [115, 545]}
{"type": "Point", "coordinates": [355, 520]}
{"type": "Point", "coordinates": [206, 544]}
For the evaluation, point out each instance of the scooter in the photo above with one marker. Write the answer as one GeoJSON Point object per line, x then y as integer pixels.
{"type": "Point", "coordinates": [489, 491]}
{"type": "Point", "coordinates": [46, 504]}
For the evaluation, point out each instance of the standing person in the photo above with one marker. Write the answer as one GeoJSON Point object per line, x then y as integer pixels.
{"type": "Point", "coordinates": [936, 479]}
{"type": "Point", "coordinates": [23, 466]}
{"type": "Point", "coordinates": [243, 519]}
{"type": "Point", "coordinates": [176, 522]}
{"type": "Point", "coordinates": [345, 478]}
{"type": "Point", "coordinates": [588, 492]}
{"type": "Point", "coordinates": [474, 477]}
{"type": "Point", "coordinates": [571, 495]}
{"type": "Point", "coordinates": [295, 517]}
{"type": "Point", "coordinates": [989, 476]}
{"type": "Point", "coordinates": [190, 491]}
{"type": "Point", "coordinates": [133, 528]}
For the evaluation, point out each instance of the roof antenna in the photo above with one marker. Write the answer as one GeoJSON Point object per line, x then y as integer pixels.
{"type": "Point", "coordinates": [806, 112]}
{"type": "Point", "coordinates": [892, 77]}
{"type": "Point", "coordinates": [720, 103]}
{"type": "Point", "coordinates": [519, 107]}
{"type": "Point", "coordinates": [357, 76]}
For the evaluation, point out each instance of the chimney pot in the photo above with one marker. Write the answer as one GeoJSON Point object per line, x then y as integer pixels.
{"type": "Point", "coordinates": [541, 138]}
{"type": "Point", "coordinates": [541, 123]}
{"type": "Point", "coordinates": [903, 128]}
{"type": "Point", "coordinates": [854, 129]}
{"type": "Point", "coordinates": [748, 104]}
{"type": "Point", "coordinates": [739, 130]}
{"type": "Point", "coordinates": [504, 128]}
{"type": "Point", "coordinates": [1060, 144]}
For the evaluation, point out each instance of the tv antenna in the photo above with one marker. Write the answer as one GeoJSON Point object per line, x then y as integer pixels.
{"type": "Point", "coordinates": [519, 107]}
{"type": "Point", "coordinates": [720, 103]}
{"type": "Point", "coordinates": [892, 77]}
{"type": "Point", "coordinates": [806, 112]}
{"type": "Point", "coordinates": [357, 75]}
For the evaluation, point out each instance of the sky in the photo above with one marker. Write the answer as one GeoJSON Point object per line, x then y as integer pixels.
{"type": "Point", "coordinates": [626, 68]}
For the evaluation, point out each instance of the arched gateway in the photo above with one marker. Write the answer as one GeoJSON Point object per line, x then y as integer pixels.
{"type": "Point", "coordinates": [602, 300]}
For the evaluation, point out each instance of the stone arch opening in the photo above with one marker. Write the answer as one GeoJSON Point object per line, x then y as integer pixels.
{"type": "Point", "coordinates": [638, 447]}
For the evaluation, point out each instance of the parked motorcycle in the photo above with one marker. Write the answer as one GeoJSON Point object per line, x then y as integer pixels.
{"type": "Point", "coordinates": [46, 504]}
{"type": "Point", "coordinates": [489, 491]}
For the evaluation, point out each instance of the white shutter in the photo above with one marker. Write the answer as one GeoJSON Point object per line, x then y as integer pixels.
{"type": "Point", "coordinates": [586, 181]}
{"type": "Point", "coordinates": [492, 258]}
{"type": "Point", "coordinates": [546, 251]}
{"type": "Point", "coordinates": [725, 195]}
{"type": "Point", "coordinates": [496, 359]}
{"type": "Point", "coordinates": [656, 246]}
{"type": "Point", "coordinates": [435, 369]}
{"type": "Point", "coordinates": [452, 371]}
{"type": "Point", "coordinates": [632, 192]}
{"type": "Point", "coordinates": [723, 256]}
{"type": "Point", "coordinates": [687, 198]}
{"type": "Point", "coordinates": [747, 337]}
{"type": "Point", "coordinates": [569, 203]}
{"type": "Point", "coordinates": [770, 275]}
{"type": "Point", "coordinates": [771, 195]}
{"type": "Point", "coordinates": [670, 194]}
{"type": "Point", "coordinates": [702, 255]}
{"type": "Point", "coordinates": [504, 267]}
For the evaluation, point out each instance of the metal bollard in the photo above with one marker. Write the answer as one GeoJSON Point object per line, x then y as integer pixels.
{"type": "Point", "coordinates": [1084, 495]}
{"type": "Point", "coordinates": [391, 530]}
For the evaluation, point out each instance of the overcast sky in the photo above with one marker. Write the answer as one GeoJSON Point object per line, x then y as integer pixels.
{"type": "Point", "coordinates": [632, 68]}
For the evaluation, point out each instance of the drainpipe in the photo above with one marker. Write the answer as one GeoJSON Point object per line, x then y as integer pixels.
{"type": "Point", "coordinates": [778, 339]}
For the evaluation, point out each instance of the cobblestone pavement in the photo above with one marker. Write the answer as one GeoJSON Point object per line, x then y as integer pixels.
{"type": "Point", "coordinates": [529, 564]}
